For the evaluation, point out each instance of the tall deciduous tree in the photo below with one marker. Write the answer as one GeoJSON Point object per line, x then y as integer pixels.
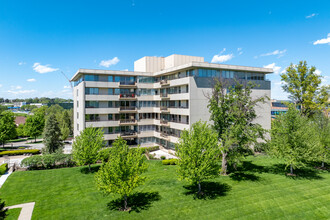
{"type": "Point", "coordinates": [34, 125]}
{"type": "Point", "coordinates": [323, 131]}
{"type": "Point", "coordinates": [52, 135]}
{"type": "Point", "coordinates": [294, 138]}
{"type": "Point", "coordinates": [86, 146]}
{"type": "Point", "coordinates": [232, 112]}
{"type": "Point", "coordinates": [7, 126]}
{"type": "Point", "coordinates": [303, 84]}
{"type": "Point", "coordinates": [122, 173]}
{"type": "Point", "coordinates": [198, 151]}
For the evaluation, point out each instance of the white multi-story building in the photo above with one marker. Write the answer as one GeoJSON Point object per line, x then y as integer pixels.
{"type": "Point", "coordinates": [160, 98]}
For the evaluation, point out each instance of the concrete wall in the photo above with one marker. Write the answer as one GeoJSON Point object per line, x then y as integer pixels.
{"type": "Point", "coordinates": [79, 108]}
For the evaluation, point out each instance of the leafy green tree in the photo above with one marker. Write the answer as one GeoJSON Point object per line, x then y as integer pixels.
{"type": "Point", "coordinates": [294, 138]}
{"type": "Point", "coordinates": [52, 135]}
{"type": "Point", "coordinates": [65, 125]}
{"type": "Point", "coordinates": [323, 131]}
{"type": "Point", "coordinates": [122, 173]}
{"type": "Point", "coordinates": [20, 130]}
{"type": "Point", "coordinates": [197, 151]}
{"type": "Point", "coordinates": [3, 211]}
{"type": "Point", "coordinates": [303, 84]}
{"type": "Point", "coordinates": [232, 112]}
{"type": "Point", "coordinates": [34, 125]}
{"type": "Point", "coordinates": [7, 127]}
{"type": "Point", "coordinates": [86, 146]}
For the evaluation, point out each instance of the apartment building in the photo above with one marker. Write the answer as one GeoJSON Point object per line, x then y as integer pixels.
{"type": "Point", "coordinates": [160, 98]}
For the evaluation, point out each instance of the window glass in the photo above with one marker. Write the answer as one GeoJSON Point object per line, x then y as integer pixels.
{"type": "Point", "coordinates": [91, 78]}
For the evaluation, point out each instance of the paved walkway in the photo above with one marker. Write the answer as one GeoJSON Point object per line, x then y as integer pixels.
{"type": "Point", "coordinates": [4, 177]}
{"type": "Point", "coordinates": [26, 212]}
{"type": "Point", "coordinates": [159, 153]}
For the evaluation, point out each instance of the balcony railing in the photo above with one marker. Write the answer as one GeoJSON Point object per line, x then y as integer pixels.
{"type": "Point", "coordinates": [128, 133]}
{"type": "Point", "coordinates": [127, 121]}
{"type": "Point", "coordinates": [127, 96]}
{"type": "Point", "coordinates": [127, 108]}
{"type": "Point", "coordinates": [164, 95]}
{"type": "Point", "coordinates": [163, 122]}
{"type": "Point", "coordinates": [163, 108]}
{"type": "Point", "coordinates": [164, 82]}
{"type": "Point", "coordinates": [127, 83]}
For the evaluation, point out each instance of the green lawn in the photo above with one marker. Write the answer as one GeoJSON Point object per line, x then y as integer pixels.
{"type": "Point", "coordinates": [259, 191]}
{"type": "Point", "coordinates": [13, 214]}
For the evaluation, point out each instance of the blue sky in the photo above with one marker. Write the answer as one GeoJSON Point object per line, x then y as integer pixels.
{"type": "Point", "coordinates": [39, 39]}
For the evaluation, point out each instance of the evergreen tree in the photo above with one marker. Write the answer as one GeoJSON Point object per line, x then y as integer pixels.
{"type": "Point", "coordinates": [122, 173]}
{"type": "Point", "coordinates": [197, 151]}
{"type": "Point", "coordinates": [52, 135]}
{"type": "Point", "coordinates": [232, 112]}
{"type": "Point", "coordinates": [294, 138]}
{"type": "Point", "coordinates": [86, 146]}
{"type": "Point", "coordinates": [3, 211]}
{"type": "Point", "coordinates": [7, 127]}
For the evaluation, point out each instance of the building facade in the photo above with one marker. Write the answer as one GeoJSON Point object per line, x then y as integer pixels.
{"type": "Point", "coordinates": [160, 98]}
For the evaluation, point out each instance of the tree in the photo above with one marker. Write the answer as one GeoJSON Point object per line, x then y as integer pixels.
{"type": "Point", "coordinates": [20, 130]}
{"type": "Point", "coordinates": [197, 151]}
{"type": "Point", "coordinates": [52, 135]}
{"type": "Point", "coordinates": [294, 139]}
{"type": "Point", "coordinates": [65, 125]}
{"type": "Point", "coordinates": [34, 125]}
{"type": "Point", "coordinates": [86, 146]}
{"type": "Point", "coordinates": [302, 83]}
{"type": "Point", "coordinates": [122, 173]}
{"type": "Point", "coordinates": [7, 127]}
{"type": "Point", "coordinates": [232, 112]}
{"type": "Point", "coordinates": [323, 130]}
{"type": "Point", "coordinates": [3, 211]}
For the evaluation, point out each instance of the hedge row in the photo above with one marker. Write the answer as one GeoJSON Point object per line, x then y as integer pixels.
{"type": "Point", "coordinates": [48, 161]}
{"type": "Point", "coordinates": [3, 168]}
{"type": "Point", "coordinates": [19, 152]}
{"type": "Point", "coordinates": [104, 153]}
{"type": "Point", "coordinates": [170, 162]}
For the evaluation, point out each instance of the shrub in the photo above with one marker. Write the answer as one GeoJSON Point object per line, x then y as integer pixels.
{"type": "Point", "coordinates": [163, 157]}
{"type": "Point", "coordinates": [104, 154]}
{"type": "Point", "coordinates": [48, 161]}
{"type": "Point", "coordinates": [21, 148]}
{"type": "Point", "coordinates": [19, 152]}
{"type": "Point", "coordinates": [3, 168]}
{"type": "Point", "coordinates": [173, 161]}
{"type": "Point", "coordinates": [166, 162]}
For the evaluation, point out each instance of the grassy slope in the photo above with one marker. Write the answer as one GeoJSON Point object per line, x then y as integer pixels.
{"type": "Point", "coordinates": [261, 192]}
{"type": "Point", "coordinates": [13, 214]}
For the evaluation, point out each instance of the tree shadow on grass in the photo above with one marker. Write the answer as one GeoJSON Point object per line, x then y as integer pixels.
{"type": "Point", "coordinates": [137, 202]}
{"type": "Point", "coordinates": [210, 190]}
{"type": "Point", "coordinates": [241, 176]}
{"type": "Point", "coordinates": [94, 169]}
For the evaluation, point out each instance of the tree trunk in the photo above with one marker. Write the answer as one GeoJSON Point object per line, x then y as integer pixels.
{"type": "Point", "coordinates": [224, 164]}
{"type": "Point", "coordinates": [322, 164]}
{"type": "Point", "coordinates": [89, 167]}
{"type": "Point", "coordinates": [199, 187]}
{"type": "Point", "coordinates": [35, 139]}
{"type": "Point", "coordinates": [291, 169]}
{"type": "Point", "coordinates": [125, 202]}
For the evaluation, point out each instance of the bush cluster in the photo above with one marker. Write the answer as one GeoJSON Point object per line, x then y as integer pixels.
{"type": "Point", "coordinates": [3, 168]}
{"type": "Point", "coordinates": [48, 161]}
{"type": "Point", "coordinates": [19, 152]}
{"type": "Point", "coordinates": [170, 162]}
{"type": "Point", "coordinates": [104, 153]}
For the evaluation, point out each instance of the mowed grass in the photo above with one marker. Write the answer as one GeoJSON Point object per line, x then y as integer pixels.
{"type": "Point", "coordinates": [258, 190]}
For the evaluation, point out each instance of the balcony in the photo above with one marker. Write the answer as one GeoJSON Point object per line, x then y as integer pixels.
{"type": "Point", "coordinates": [130, 96]}
{"type": "Point", "coordinates": [127, 122]}
{"type": "Point", "coordinates": [127, 84]}
{"type": "Point", "coordinates": [164, 122]}
{"type": "Point", "coordinates": [164, 135]}
{"type": "Point", "coordinates": [164, 96]}
{"type": "Point", "coordinates": [128, 134]}
{"type": "Point", "coordinates": [164, 82]}
{"type": "Point", "coordinates": [127, 109]}
{"type": "Point", "coordinates": [164, 109]}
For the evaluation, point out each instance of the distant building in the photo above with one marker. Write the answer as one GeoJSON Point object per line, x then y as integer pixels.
{"type": "Point", "coordinates": [278, 107]}
{"type": "Point", "coordinates": [38, 104]}
{"type": "Point", "coordinates": [65, 105]}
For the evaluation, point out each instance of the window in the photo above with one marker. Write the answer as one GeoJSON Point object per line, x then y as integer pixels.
{"type": "Point", "coordinates": [91, 91]}
{"type": "Point", "coordinates": [79, 80]}
{"type": "Point", "coordinates": [77, 127]}
{"type": "Point", "coordinates": [91, 78]}
{"type": "Point", "coordinates": [77, 115]}
{"type": "Point", "coordinates": [110, 78]}
{"type": "Point", "coordinates": [110, 117]}
{"type": "Point", "coordinates": [110, 91]}
{"type": "Point", "coordinates": [91, 104]}
{"type": "Point", "coordinates": [211, 73]}
{"type": "Point", "coordinates": [77, 104]}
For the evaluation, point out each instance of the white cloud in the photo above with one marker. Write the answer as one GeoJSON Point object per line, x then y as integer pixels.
{"type": "Point", "coordinates": [239, 49]}
{"type": "Point", "coordinates": [311, 15]}
{"type": "Point", "coordinates": [31, 80]}
{"type": "Point", "coordinates": [19, 92]}
{"type": "Point", "coordinates": [318, 72]}
{"type": "Point", "coordinates": [43, 68]}
{"type": "Point", "coordinates": [222, 58]}
{"type": "Point", "coordinates": [275, 52]}
{"type": "Point", "coordinates": [273, 66]}
{"type": "Point", "coordinates": [108, 63]}
{"type": "Point", "coordinates": [21, 63]}
{"type": "Point", "coordinates": [67, 87]}
{"type": "Point", "coordinates": [15, 87]}
{"type": "Point", "coordinates": [0, 85]}
{"type": "Point", "coordinates": [323, 41]}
